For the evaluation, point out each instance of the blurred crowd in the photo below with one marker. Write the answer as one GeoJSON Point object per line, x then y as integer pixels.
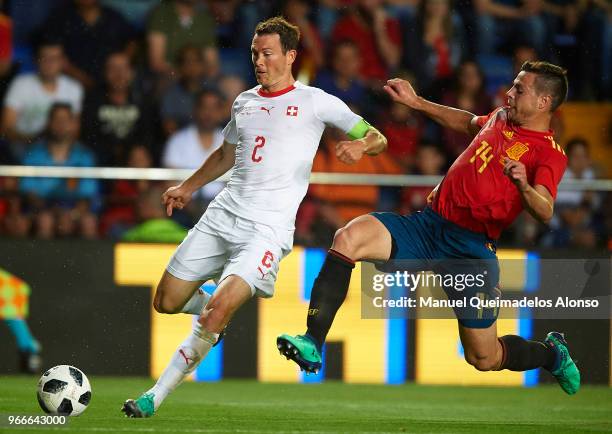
{"type": "Point", "coordinates": [150, 83]}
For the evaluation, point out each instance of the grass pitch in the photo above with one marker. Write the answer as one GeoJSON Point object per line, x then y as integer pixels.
{"type": "Point", "coordinates": [248, 406]}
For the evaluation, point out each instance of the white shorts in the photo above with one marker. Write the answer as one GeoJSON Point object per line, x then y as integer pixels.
{"type": "Point", "coordinates": [222, 244]}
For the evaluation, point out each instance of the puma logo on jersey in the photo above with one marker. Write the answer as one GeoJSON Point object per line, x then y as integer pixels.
{"type": "Point", "coordinates": [267, 110]}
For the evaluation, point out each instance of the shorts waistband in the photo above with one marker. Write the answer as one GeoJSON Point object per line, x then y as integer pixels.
{"type": "Point", "coordinates": [455, 227]}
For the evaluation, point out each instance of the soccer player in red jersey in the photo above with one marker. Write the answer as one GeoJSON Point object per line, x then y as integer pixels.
{"type": "Point", "coordinates": [512, 164]}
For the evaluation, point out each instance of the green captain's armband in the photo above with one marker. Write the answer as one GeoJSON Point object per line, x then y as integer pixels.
{"type": "Point", "coordinates": [360, 130]}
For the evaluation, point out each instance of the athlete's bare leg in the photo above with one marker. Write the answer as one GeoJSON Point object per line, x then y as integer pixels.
{"type": "Point", "coordinates": [481, 347]}
{"type": "Point", "coordinates": [365, 237]}
{"type": "Point", "coordinates": [232, 293]}
{"type": "Point", "coordinates": [172, 293]}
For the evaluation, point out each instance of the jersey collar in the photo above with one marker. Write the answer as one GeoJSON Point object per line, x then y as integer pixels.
{"type": "Point", "coordinates": [265, 94]}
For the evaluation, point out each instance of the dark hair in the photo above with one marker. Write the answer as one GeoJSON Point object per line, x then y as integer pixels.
{"type": "Point", "coordinates": [576, 142]}
{"type": "Point", "coordinates": [288, 33]}
{"type": "Point", "coordinates": [182, 53]}
{"type": "Point", "coordinates": [44, 42]}
{"type": "Point", "coordinates": [551, 79]}
{"type": "Point", "coordinates": [461, 67]}
{"type": "Point", "coordinates": [208, 91]}
{"type": "Point", "coordinates": [425, 144]}
{"type": "Point", "coordinates": [56, 106]}
{"type": "Point", "coordinates": [341, 44]}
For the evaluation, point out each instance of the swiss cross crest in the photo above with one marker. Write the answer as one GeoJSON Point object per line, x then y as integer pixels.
{"type": "Point", "coordinates": [292, 110]}
{"type": "Point", "coordinates": [516, 151]}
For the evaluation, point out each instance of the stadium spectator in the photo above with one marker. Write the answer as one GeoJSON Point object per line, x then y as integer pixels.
{"type": "Point", "coordinates": [89, 33]}
{"type": "Point", "coordinates": [30, 95]}
{"type": "Point", "coordinates": [468, 94]}
{"type": "Point", "coordinates": [595, 51]}
{"type": "Point", "coordinates": [403, 128]}
{"type": "Point", "coordinates": [502, 22]}
{"type": "Point", "coordinates": [327, 13]}
{"type": "Point", "coordinates": [403, 10]}
{"type": "Point", "coordinates": [8, 68]}
{"type": "Point", "coordinates": [233, 16]}
{"type": "Point", "coordinates": [579, 166]}
{"type": "Point", "coordinates": [117, 113]}
{"type": "Point", "coordinates": [603, 14]}
{"type": "Point", "coordinates": [310, 47]}
{"type": "Point", "coordinates": [190, 147]}
{"type": "Point", "coordinates": [177, 100]}
{"type": "Point", "coordinates": [134, 11]}
{"type": "Point", "coordinates": [154, 226]}
{"type": "Point", "coordinates": [174, 24]}
{"type": "Point", "coordinates": [120, 213]}
{"type": "Point", "coordinates": [574, 222]}
{"type": "Point", "coordinates": [62, 207]}
{"type": "Point", "coordinates": [14, 222]}
{"type": "Point", "coordinates": [433, 44]}
{"type": "Point", "coordinates": [230, 86]}
{"type": "Point", "coordinates": [430, 161]}
{"type": "Point", "coordinates": [377, 36]}
{"type": "Point", "coordinates": [343, 79]}
{"type": "Point", "coordinates": [576, 229]}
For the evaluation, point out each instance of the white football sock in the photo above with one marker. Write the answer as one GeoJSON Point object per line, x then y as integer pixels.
{"type": "Point", "coordinates": [186, 358]}
{"type": "Point", "coordinates": [196, 303]}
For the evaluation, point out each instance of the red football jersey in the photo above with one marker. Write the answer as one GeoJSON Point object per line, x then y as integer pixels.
{"type": "Point", "coordinates": [475, 193]}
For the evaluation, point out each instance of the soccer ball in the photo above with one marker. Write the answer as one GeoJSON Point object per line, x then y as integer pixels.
{"type": "Point", "coordinates": [64, 390]}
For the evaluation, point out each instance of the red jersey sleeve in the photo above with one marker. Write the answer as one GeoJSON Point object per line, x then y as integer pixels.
{"type": "Point", "coordinates": [549, 169]}
{"type": "Point", "coordinates": [481, 120]}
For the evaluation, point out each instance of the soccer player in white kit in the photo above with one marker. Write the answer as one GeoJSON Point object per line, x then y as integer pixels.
{"type": "Point", "coordinates": [270, 141]}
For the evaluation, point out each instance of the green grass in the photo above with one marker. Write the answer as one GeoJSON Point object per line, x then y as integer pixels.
{"type": "Point", "coordinates": [248, 406]}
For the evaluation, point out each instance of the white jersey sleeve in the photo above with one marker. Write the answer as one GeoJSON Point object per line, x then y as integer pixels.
{"type": "Point", "coordinates": [333, 112]}
{"type": "Point", "coordinates": [230, 132]}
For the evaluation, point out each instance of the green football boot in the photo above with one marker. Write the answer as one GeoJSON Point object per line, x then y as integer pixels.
{"type": "Point", "coordinates": [142, 407]}
{"type": "Point", "coordinates": [566, 372]}
{"type": "Point", "coordinates": [302, 350]}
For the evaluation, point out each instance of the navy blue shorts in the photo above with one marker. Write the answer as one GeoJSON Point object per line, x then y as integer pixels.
{"type": "Point", "coordinates": [427, 241]}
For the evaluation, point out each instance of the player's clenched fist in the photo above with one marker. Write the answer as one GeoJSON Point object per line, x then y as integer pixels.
{"type": "Point", "coordinates": [349, 152]}
{"type": "Point", "coordinates": [402, 91]}
{"type": "Point", "coordinates": [515, 170]}
{"type": "Point", "coordinates": [175, 197]}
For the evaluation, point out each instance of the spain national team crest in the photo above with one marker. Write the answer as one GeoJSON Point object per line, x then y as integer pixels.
{"type": "Point", "coordinates": [292, 110]}
{"type": "Point", "coordinates": [516, 151]}
{"type": "Point", "coordinates": [508, 134]}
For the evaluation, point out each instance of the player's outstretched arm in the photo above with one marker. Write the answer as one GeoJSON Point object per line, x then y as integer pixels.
{"type": "Point", "coordinates": [401, 91]}
{"type": "Point", "coordinates": [216, 165]}
{"type": "Point", "coordinates": [365, 139]}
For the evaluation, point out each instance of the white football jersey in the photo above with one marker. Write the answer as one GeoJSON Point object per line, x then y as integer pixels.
{"type": "Point", "coordinates": [276, 137]}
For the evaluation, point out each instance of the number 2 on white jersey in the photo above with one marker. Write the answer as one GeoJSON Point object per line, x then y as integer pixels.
{"type": "Point", "coordinates": [260, 141]}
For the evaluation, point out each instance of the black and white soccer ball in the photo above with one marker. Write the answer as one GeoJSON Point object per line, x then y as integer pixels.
{"type": "Point", "coordinates": [64, 390]}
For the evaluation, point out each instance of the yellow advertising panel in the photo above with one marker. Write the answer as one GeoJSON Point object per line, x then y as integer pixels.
{"type": "Point", "coordinates": [144, 264]}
